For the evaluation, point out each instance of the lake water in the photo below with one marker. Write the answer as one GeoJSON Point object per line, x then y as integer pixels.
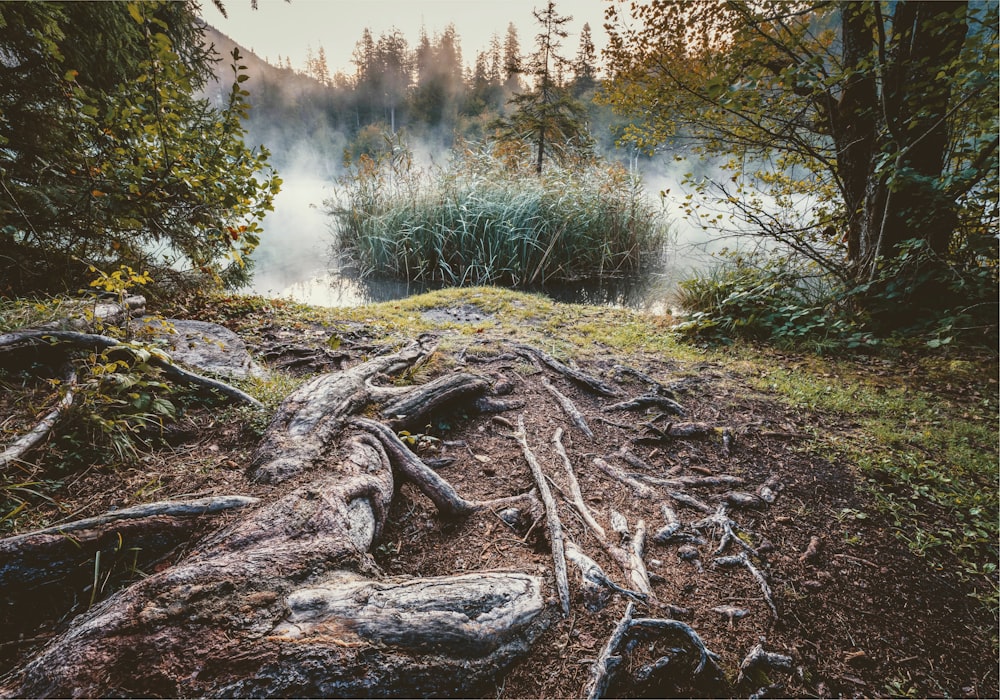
{"type": "Point", "coordinates": [295, 261]}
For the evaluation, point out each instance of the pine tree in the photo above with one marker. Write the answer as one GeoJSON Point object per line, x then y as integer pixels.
{"type": "Point", "coordinates": [547, 117]}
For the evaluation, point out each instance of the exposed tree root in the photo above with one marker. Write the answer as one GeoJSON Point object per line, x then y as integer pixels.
{"type": "Point", "coordinates": [19, 341]}
{"type": "Point", "coordinates": [743, 559]}
{"type": "Point", "coordinates": [17, 450]}
{"type": "Point", "coordinates": [569, 408]}
{"type": "Point", "coordinates": [608, 662]}
{"type": "Point", "coordinates": [556, 538]}
{"type": "Point", "coordinates": [590, 382]}
{"type": "Point", "coordinates": [574, 488]}
{"type": "Point", "coordinates": [639, 403]}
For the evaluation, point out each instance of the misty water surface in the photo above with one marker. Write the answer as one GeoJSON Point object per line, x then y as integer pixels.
{"type": "Point", "coordinates": [295, 260]}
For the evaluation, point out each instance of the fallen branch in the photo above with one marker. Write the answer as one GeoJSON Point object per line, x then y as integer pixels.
{"type": "Point", "coordinates": [569, 408]}
{"type": "Point", "coordinates": [16, 451]}
{"type": "Point", "coordinates": [551, 516]}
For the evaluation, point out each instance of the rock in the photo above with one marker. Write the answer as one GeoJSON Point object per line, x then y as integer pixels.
{"type": "Point", "coordinates": [206, 346]}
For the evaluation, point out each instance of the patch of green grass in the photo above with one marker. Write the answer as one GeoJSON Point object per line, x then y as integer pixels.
{"type": "Point", "coordinates": [929, 456]}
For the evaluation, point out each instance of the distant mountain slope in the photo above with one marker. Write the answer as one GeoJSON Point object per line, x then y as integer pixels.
{"type": "Point", "coordinates": [298, 119]}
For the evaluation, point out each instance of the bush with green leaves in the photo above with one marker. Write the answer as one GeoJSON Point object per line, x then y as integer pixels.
{"type": "Point", "coordinates": [768, 298]}
{"type": "Point", "coordinates": [780, 299]}
{"type": "Point", "coordinates": [487, 218]}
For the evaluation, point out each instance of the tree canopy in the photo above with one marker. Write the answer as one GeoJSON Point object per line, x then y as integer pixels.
{"type": "Point", "coordinates": [861, 136]}
{"type": "Point", "coordinates": [106, 154]}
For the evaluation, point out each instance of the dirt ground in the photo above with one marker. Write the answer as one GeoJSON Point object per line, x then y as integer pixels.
{"type": "Point", "coordinates": [858, 614]}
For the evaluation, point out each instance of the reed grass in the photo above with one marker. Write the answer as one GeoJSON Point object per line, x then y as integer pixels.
{"type": "Point", "coordinates": [484, 219]}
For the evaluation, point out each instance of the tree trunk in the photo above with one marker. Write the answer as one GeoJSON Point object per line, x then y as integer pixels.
{"type": "Point", "coordinates": [286, 601]}
{"type": "Point", "coordinates": [906, 199]}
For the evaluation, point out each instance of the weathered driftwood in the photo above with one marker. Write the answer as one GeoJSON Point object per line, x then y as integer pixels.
{"type": "Point", "coordinates": [57, 340]}
{"type": "Point", "coordinates": [569, 408]}
{"type": "Point", "coordinates": [556, 538]}
{"type": "Point", "coordinates": [587, 380]}
{"type": "Point", "coordinates": [17, 450]}
{"type": "Point", "coordinates": [286, 601]}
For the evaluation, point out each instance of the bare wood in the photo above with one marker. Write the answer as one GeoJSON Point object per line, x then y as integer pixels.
{"type": "Point", "coordinates": [629, 554]}
{"type": "Point", "coordinates": [408, 408]}
{"type": "Point", "coordinates": [587, 380]}
{"type": "Point", "coordinates": [690, 501]}
{"type": "Point", "coordinates": [639, 403]}
{"type": "Point", "coordinates": [574, 488]}
{"type": "Point", "coordinates": [642, 490]}
{"type": "Point", "coordinates": [720, 520]}
{"type": "Point", "coordinates": [551, 516]}
{"type": "Point", "coordinates": [642, 376]}
{"type": "Point", "coordinates": [707, 659]}
{"type": "Point", "coordinates": [16, 451]}
{"type": "Point", "coordinates": [743, 559]}
{"type": "Point", "coordinates": [311, 417]}
{"type": "Point", "coordinates": [607, 662]}
{"type": "Point", "coordinates": [569, 408]}
{"type": "Point", "coordinates": [593, 575]}
{"type": "Point", "coordinates": [441, 493]}
{"type": "Point", "coordinates": [54, 552]}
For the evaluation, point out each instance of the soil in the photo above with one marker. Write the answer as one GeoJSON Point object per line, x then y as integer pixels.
{"type": "Point", "coordinates": [859, 616]}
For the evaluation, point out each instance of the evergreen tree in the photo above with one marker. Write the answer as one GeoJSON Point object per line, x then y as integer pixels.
{"type": "Point", "coordinates": [547, 117]}
{"type": "Point", "coordinates": [585, 65]}
{"type": "Point", "coordinates": [107, 156]}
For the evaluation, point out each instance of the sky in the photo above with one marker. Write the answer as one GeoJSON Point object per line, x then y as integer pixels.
{"type": "Point", "coordinates": [290, 29]}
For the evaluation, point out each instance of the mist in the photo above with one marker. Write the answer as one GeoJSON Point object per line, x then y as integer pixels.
{"type": "Point", "coordinates": [310, 122]}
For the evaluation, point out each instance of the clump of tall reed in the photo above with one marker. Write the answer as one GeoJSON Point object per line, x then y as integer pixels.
{"type": "Point", "coordinates": [486, 218]}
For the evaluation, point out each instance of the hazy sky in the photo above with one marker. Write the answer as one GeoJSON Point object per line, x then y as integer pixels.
{"type": "Point", "coordinates": [290, 29]}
